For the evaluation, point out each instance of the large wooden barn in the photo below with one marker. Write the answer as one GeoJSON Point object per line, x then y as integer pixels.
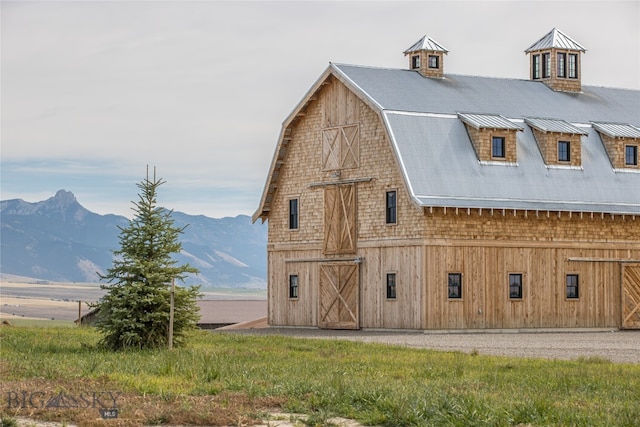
{"type": "Point", "coordinates": [416, 199]}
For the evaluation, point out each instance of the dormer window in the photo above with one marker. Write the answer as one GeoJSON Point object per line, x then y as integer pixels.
{"type": "Point", "coordinates": [631, 155]}
{"type": "Point", "coordinates": [564, 151]}
{"type": "Point", "coordinates": [433, 61]}
{"type": "Point", "coordinates": [493, 137]}
{"type": "Point", "coordinates": [415, 62]}
{"type": "Point", "coordinates": [497, 147]}
{"type": "Point", "coordinates": [621, 141]}
{"type": "Point", "coordinates": [559, 141]}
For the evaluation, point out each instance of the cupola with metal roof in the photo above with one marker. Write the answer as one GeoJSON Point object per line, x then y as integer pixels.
{"type": "Point", "coordinates": [555, 60]}
{"type": "Point", "coordinates": [427, 57]}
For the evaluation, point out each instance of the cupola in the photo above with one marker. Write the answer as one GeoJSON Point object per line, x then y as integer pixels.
{"type": "Point", "coordinates": [427, 57]}
{"type": "Point", "coordinates": [555, 60]}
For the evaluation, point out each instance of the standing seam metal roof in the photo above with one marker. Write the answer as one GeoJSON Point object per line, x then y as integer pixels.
{"type": "Point", "coordinates": [441, 167]}
{"type": "Point", "coordinates": [617, 130]}
{"type": "Point", "coordinates": [553, 125]}
{"type": "Point", "coordinates": [555, 39]}
{"type": "Point", "coordinates": [490, 121]}
{"type": "Point", "coordinates": [426, 43]}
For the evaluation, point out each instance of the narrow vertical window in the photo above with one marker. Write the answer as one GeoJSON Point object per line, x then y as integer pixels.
{"type": "Point", "coordinates": [293, 286]}
{"type": "Point", "coordinates": [564, 151]}
{"type": "Point", "coordinates": [497, 147]}
{"type": "Point", "coordinates": [573, 66]}
{"type": "Point", "coordinates": [434, 61]}
{"type": "Point", "coordinates": [391, 208]}
{"type": "Point", "coordinates": [293, 214]}
{"type": "Point", "coordinates": [546, 65]}
{"type": "Point", "coordinates": [515, 286]}
{"type": "Point", "coordinates": [415, 62]}
{"type": "Point", "coordinates": [572, 286]}
{"type": "Point", "coordinates": [535, 66]}
{"type": "Point", "coordinates": [391, 285]}
{"type": "Point", "coordinates": [631, 155]}
{"type": "Point", "coordinates": [562, 65]}
{"type": "Point", "coordinates": [455, 285]}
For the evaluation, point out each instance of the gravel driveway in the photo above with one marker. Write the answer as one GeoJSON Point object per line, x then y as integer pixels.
{"type": "Point", "coordinates": [616, 346]}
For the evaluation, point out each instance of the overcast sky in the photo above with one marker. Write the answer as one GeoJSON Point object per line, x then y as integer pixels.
{"type": "Point", "coordinates": [92, 92]}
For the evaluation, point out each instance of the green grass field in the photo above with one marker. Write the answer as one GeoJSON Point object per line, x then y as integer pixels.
{"type": "Point", "coordinates": [227, 379]}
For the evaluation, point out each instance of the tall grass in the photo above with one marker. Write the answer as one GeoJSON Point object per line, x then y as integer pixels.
{"type": "Point", "coordinates": [374, 384]}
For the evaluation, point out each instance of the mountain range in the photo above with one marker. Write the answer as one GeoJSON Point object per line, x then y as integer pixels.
{"type": "Point", "coordinates": [59, 240]}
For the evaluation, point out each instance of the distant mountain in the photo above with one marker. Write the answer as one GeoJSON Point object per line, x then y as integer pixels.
{"type": "Point", "coordinates": [59, 240]}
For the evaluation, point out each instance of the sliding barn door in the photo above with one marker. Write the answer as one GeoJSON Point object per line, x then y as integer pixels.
{"type": "Point", "coordinates": [340, 219]}
{"type": "Point", "coordinates": [339, 296]}
{"type": "Point", "coordinates": [631, 296]}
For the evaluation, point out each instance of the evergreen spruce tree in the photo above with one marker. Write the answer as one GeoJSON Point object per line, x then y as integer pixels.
{"type": "Point", "coordinates": [134, 313]}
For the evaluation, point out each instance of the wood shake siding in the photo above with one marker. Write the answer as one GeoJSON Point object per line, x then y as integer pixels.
{"type": "Point", "coordinates": [616, 150]}
{"type": "Point", "coordinates": [387, 185]}
{"type": "Point", "coordinates": [548, 144]}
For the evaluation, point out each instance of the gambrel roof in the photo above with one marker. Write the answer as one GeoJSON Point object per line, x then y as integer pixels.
{"type": "Point", "coordinates": [439, 165]}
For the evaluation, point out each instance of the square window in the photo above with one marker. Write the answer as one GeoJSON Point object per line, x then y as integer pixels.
{"type": "Point", "coordinates": [390, 207]}
{"type": "Point", "coordinates": [434, 61]}
{"type": "Point", "coordinates": [515, 285]}
{"type": "Point", "coordinates": [293, 286]}
{"type": "Point", "coordinates": [293, 214]}
{"type": "Point", "coordinates": [564, 151]}
{"type": "Point", "coordinates": [455, 285]}
{"type": "Point", "coordinates": [572, 286]}
{"type": "Point", "coordinates": [391, 285]}
{"type": "Point", "coordinates": [497, 147]}
{"type": "Point", "coordinates": [631, 155]}
{"type": "Point", "coordinates": [415, 62]}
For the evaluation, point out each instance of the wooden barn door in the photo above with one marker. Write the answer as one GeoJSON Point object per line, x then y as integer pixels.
{"type": "Point", "coordinates": [631, 296]}
{"type": "Point", "coordinates": [340, 219]}
{"type": "Point", "coordinates": [339, 296]}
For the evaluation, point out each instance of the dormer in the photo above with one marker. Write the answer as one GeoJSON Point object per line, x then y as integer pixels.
{"type": "Point", "coordinates": [493, 137]}
{"type": "Point", "coordinates": [427, 57]}
{"type": "Point", "coordinates": [555, 61]}
{"type": "Point", "coordinates": [622, 142]}
{"type": "Point", "coordinates": [559, 141]}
